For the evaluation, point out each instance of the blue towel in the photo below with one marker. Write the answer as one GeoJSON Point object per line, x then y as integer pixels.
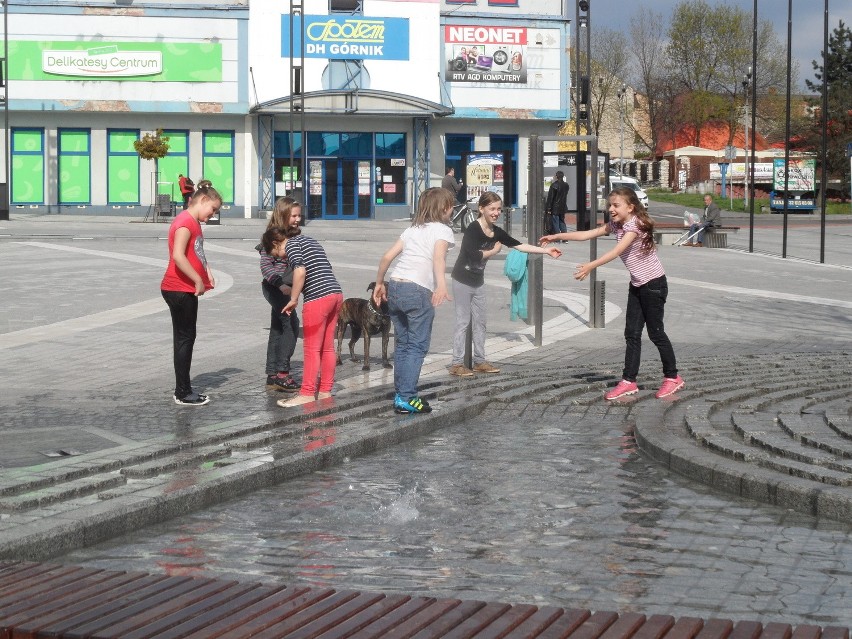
{"type": "Point", "coordinates": [515, 269]}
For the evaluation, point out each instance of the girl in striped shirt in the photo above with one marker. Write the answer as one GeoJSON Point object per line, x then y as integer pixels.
{"type": "Point", "coordinates": [646, 300]}
{"type": "Point", "coordinates": [313, 277]}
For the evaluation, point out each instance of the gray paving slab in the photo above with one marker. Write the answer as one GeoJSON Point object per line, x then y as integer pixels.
{"type": "Point", "coordinates": [86, 382]}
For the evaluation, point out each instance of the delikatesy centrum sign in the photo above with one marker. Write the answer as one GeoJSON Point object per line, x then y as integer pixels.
{"type": "Point", "coordinates": [101, 61]}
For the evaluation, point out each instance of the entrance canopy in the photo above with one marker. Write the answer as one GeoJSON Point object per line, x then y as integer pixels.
{"type": "Point", "coordinates": [360, 102]}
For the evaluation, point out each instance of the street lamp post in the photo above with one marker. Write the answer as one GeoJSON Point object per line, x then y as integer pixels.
{"type": "Point", "coordinates": [746, 84]}
{"type": "Point", "coordinates": [621, 93]}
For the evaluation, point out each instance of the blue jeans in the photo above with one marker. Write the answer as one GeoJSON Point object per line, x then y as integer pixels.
{"type": "Point", "coordinates": [699, 228]}
{"type": "Point", "coordinates": [557, 224]}
{"type": "Point", "coordinates": [645, 306]}
{"type": "Point", "coordinates": [184, 310]}
{"type": "Point", "coordinates": [283, 331]}
{"type": "Point", "coordinates": [412, 314]}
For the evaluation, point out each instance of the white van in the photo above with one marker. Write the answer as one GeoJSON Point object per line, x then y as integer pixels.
{"type": "Point", "coordinates": [631, 184]}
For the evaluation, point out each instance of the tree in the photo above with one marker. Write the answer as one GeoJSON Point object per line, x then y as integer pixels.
{"type": "Point", "coordinates": [709, 53]}
{"type": "Point", "coordinates": [610, 65]}
{"type": "Point", "coordinates": [836, 76]}
{"type": "Point", "coordinates": [647, 34]}
{"type": "Point", "coordinates": [152, 146]}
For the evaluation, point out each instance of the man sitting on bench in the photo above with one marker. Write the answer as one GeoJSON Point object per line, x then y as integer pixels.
{"type": "Point", "coordinates": [712, 217]}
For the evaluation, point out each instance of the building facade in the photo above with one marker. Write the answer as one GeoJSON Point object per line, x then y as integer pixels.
{"type": "Point", "coordinates": [353, 106]}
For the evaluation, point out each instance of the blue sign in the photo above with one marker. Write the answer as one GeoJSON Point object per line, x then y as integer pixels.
{"type": "Point", "coordinates": [347, 37]}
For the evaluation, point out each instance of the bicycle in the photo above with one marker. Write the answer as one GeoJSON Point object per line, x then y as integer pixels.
{"type": "Point", "coordinates": [463, 215]}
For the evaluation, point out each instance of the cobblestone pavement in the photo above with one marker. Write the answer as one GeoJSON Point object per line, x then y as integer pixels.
{"type": "Point", "coordinates": [95, 447]}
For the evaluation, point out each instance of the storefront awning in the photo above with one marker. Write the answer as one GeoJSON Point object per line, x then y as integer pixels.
{"type": "Point", "coordinates": [361, 102]}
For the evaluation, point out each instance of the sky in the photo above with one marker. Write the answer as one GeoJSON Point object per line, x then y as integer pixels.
{"type": "Point", "coordinates": [807, 21]}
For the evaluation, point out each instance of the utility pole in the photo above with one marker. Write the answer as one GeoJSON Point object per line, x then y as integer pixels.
{"type": "Point", "coordinates": [746, 84]}
{"type": "Point", "coordinates": [621, 95]}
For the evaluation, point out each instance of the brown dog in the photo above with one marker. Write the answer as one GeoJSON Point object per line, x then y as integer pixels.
{"type": "Point", "coordinates": [364, 318]}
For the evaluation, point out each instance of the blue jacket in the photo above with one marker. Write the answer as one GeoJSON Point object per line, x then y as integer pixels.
{"type": "Point", "coordinates": [515, 269]}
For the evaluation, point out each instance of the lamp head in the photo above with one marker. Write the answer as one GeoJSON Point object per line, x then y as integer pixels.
{"type": "Point", "coordinates": [584, 5]}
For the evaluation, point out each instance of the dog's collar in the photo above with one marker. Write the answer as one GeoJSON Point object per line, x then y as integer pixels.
{"type": "Point", "coordinates": [373, 309]}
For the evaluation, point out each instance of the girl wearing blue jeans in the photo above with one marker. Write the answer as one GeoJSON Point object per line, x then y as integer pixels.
{"type": "Point", "coordinates": [646, 300]}
{"type": "Point", "coordinates": [417, 285]}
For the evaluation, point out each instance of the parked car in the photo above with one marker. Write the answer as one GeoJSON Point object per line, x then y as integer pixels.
{"type": "Point", "coordinates": [615, 176]}
{"type": "Point", "coordinates": [633, 184]}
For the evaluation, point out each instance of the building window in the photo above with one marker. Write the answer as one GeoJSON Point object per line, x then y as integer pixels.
{"type": "Point", "coordinates": [75, 165]}
{"type": "Point", "coordinates": [174, 164]}
{"type": "Point", "coordinates": [345, 6]}
{"type": "Point", "coordinates": [345, 75]}
{"type": "Point", "coordinates": [390, 168]}
{"type": "Point", "coordinates": [122, 167]}
{"type": "Point", "coordinates": [218, 162]}
{"type": "Point", "coordinates": [27, 166]}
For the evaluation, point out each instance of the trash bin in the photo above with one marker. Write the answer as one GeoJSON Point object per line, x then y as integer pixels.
{"type": "Point", "coordinates": [4, 203]}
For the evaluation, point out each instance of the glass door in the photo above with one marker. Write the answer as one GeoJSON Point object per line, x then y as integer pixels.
{"type": "Point", "coordinates": [340, 189]}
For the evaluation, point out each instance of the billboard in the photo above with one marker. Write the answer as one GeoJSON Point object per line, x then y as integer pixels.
{"type": "Point", "coordinates": [801, 175]}
{"type": "Point", "coordinates": [485, 172]}
{"type": "Point", "coordinates": [485, 53]}
{"type": "Point", "coordinates": [347, 37]}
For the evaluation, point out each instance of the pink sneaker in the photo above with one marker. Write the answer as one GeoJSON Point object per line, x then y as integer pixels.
{"type": "Point", "coordinates": [621, 389]}
{"type": "Point", "coordinates": [670, 385]}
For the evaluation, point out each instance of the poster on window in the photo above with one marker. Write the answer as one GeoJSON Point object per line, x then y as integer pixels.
{"type": "Point", "coordinates": [484, 172]}
{"type": "Point", "coordinates": [482, 53]}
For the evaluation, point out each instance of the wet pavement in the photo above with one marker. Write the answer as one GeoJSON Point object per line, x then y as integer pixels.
{"type": "Point", "coordinates": [533, 497]}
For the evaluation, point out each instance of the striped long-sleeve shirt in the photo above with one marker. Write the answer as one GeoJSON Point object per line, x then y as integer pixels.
{"type": "Point", "coordinates": [273, 269]}
{"type": "Point", "coordinates": [306, 252]}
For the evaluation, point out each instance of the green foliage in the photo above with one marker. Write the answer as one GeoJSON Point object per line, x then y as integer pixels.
{"type": "Point", "coordinates": [837, 77]}
{"type": "Point", "coordinates": [709, 52]}
{"type": "Point", "coordinates": [152, 146]}
{"type": "Point", "coordinates": [761, 205]}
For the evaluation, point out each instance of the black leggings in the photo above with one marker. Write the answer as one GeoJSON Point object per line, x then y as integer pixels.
{"type": "Point", "coordinates": [184, 310]}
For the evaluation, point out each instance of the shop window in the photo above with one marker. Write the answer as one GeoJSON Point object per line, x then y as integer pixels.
{"type": "Point", "coordinates": [390, 168]}
{"type": "Point", "coordinates": [27, 166]}
{"type": "Point", "coordinates": [282, 144]}
{"type": "Point", "coordinates": [218, 164]}
{"type": "Point", "coordinates": [122, 167]}
{"type": "Point", "coordinates": [174, 164]}
{"type": "Point", "coordinates": [457, 146]}
{"type": "Point", "coordinates": [75, 164]}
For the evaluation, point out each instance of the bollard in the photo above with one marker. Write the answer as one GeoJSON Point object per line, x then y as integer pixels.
{"type": "Point", "coordinates": [468, 346]}
{"type": "Point", "coordinates": [598, 320]}
{"type": "Point", "coordinates": [507, 219]}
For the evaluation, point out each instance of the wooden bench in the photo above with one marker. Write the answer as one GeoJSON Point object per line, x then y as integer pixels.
{"type": "Point", "coordinates": [714, 237]}
{"type": "Point", "coordinates": [49, 600]}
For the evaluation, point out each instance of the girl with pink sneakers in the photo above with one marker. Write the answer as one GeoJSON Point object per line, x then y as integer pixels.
{"type": "Point", "coordinates": [646, 299]}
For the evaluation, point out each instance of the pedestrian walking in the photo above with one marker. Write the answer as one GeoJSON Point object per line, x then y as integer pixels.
{"type": "Point", "coordinates": [646, 299]}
